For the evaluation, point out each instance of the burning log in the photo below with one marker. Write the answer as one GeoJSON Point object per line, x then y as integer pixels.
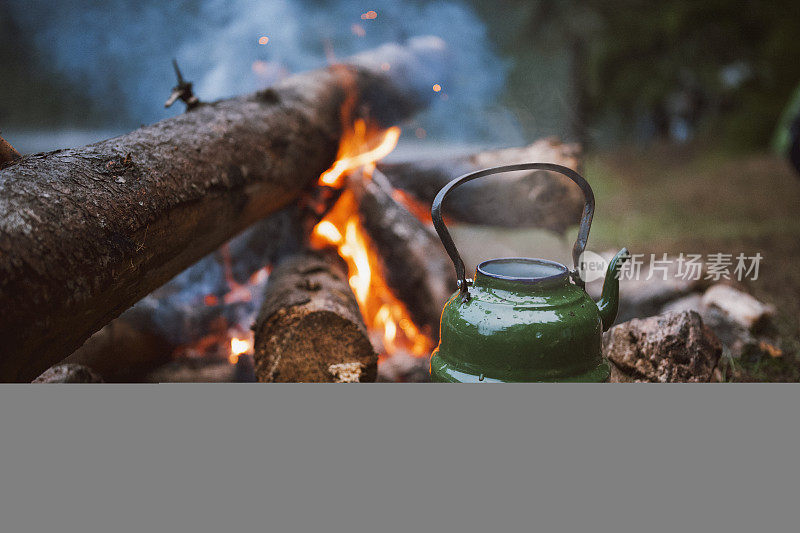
{"type": "Point", "coordinates": [416, 267]}
{"type": "Point", "coordinates": [537, 198]}
{"type": "Point", "coordinates": [85, 233]}
{"type": "Point", "coordinates": [310, 327]}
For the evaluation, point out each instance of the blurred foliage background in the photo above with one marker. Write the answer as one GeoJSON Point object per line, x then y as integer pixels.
{"type": "Point", "coordinates": [639, 70]}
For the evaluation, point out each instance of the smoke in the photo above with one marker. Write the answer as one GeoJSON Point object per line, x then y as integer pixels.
{"type": "Point", "coordinates": [120, 51]}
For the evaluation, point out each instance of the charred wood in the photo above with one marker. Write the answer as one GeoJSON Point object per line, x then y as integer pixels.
{"type": "Point", "coordinates": [416, 266]}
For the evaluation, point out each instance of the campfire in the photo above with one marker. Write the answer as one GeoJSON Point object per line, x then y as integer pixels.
{"type": "Point", "coordinates": [391, 328]}
{"type": "Point", "coordinates": [389, 322]}
{"type": "Point", "coordinates": [335, 269]}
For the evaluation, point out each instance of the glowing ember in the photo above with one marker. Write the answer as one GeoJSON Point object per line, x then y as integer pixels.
{"type": "Point", "coordinates": [238, 347]}
{"type": "Point", "coordinates": [384, 314]}
{"type": "Point", "coordinates": [437, 87]}
{"type": "Point", "coordinates": [263, 40]}
{"type": "Point", "coordinates": [385, 67]}
{"type": "Point", "coordinates": [369, 15]}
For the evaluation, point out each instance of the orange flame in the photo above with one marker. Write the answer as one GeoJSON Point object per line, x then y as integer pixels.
{"type": "Point", "coordinates": [385, 316]}
{"type": "Point", "coordinates": [239, 346]}
{"type": "Point", "coordinates": [349, 159]}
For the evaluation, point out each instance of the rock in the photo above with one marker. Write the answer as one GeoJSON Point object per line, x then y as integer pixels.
{"type": "Point", "coordinates": [673, 347]}
{"type": "Point", "coordinates": [739, 307]}
{"type": "Point", "coordinates": [733, 316]}
{"type": "Point", "coordinates": [69, 373]}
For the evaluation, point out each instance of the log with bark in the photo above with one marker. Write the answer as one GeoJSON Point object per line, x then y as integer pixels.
{"type": "Point", "coordinates": [123, 351]}
{"type": "Point", "coordinates": [416, 266]}
{"type": "Point", "coordinates": [140, 344]}
{"type": "Point", "coordinates": [539, 198]}
{"type": "Point", "coordinates": [310, 328]}
{"type": "Point", "coordinates": [85, 233]}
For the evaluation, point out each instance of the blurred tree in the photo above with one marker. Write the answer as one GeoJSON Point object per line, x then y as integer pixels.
{"type": "Point", "coordinates": [720, 67]}
{"type": "Point", "coordinates": [730, 65]}
{"type": "Point", "coordinates": [33, 95]}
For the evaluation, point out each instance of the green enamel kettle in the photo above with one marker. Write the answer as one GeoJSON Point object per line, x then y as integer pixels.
{"type": "Point", "coordinates": [524, 319]}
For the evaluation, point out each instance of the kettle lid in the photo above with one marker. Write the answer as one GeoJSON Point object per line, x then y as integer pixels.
{"type": "Point", "coordinates": [523, 270]}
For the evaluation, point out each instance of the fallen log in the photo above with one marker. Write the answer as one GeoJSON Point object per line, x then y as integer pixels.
{"type": "Point", "coordinates": [540, 199]}
{"type": "Point", "coordinates": [310, 328]}
{"type": "Point", "coordinates": [416, 266]}
{"type": "Point", "coordinates": [85, 233]}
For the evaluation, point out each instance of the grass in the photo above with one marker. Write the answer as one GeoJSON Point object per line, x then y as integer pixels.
{"type": "Point", "coordinates": [695, 200]}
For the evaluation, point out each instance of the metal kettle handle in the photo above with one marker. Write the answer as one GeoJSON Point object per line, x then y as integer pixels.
{"type": "Point", "coordinates": [447, 240]}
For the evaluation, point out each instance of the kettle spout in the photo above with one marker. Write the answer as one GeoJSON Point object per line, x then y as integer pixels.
{"type": "Point", "coordinates": [609, 300]}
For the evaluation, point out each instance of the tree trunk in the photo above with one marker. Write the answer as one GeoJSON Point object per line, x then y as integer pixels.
{"type": "Point", "coordinates": [539, 198]}
{"type": "Point", "coordinates": [85, 233]}
{"type": "Point", "coordinates": [310, 327]}
{"type": "Point", "coordinates": [416, 266]}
